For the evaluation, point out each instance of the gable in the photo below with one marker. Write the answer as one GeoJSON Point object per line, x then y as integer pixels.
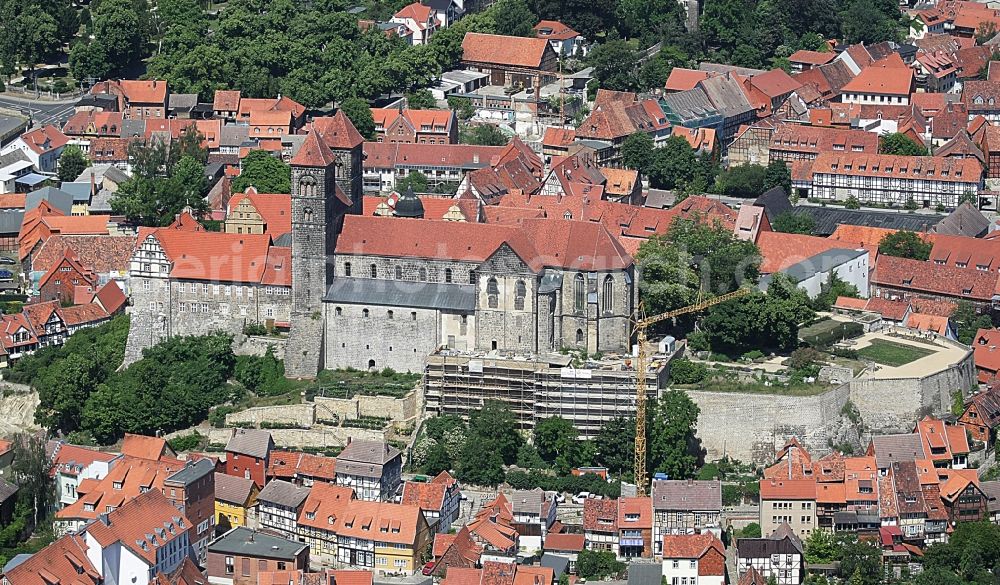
{"type": "Point", "coordinates": [504, 260]}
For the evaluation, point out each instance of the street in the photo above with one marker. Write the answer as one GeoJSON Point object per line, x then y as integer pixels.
{"type": "Point", "coordinates": [42, 111]}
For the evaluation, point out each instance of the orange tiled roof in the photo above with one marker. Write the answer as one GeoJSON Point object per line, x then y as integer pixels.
{"type": "Point", "coordinates": [889, 76]}
{"type": "Point", "coordinates": [44, 139]}
{"type": "Point", "coordinates": [781, 250]}
{"type": "Point", "coordinates": [426, 496]}
{"type": "Point", "coordinates": [788, 489]}
{"type": "Point", "coordinates": [504, 50]}
{"type": "Point", "coordinates": [313, 152]}
{"type": "Point", "coordinates": [274, 208]}
{"type": "Point", "coordinates": [12, 200]}
{"type": "Point", "coordinates": [554, 30]}
{"type": "Point", "coordinates": [142, 525]}
{"type": "Point", "coordinates": [144, 92]}
{"type": "Point", "coordinates": [630, 507]}
{"type": "Point", "coordinates": [144, 447]}
{"type": "Point", "coordinates": [931, 278]}
{"type": "Point", "coordinates": [84, 313]}
{"type": "Point", "coordinates": [325, 506]}
{"type": "Point", "coordinates": [131, 476]}
{"type": "Point", "coordinates": [226, 100]}
{"type": "Point", "coordinates": [681, 79]}
{"type": "Point", "coordinates": [64, 561]}
{"type": "Point", "coordinates": [691, 546]}
{"type": "Point", "coordinates": [381, 521]}
{"type": "Point", "coordinates": [812, 57]}
{"type": "Point", "coordinates": [564, 542]}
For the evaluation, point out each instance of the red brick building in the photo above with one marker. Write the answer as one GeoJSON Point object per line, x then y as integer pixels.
{"type": "Point", "coordinates": [248, 453]}
{"type": "Point", "coordinates": [415, 126]}
{"type": "Point", "coordinates": [60, 282]}
{"type": "Point", "coordinates": [192, 490]}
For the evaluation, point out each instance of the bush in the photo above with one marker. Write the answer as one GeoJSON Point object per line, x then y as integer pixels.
{"type": "Point", "coordinates": [804, 357]}
{"type": "Point", "coordinates": [698, 341]}
{"type": "Point", "coordinates": [262, 375]}
{"type": "Point", "coordinates": [684, 371]}
{"type": "Point", "coordinates": [187, 442]}
{"type": "Point", "coordinates": [752, 355]}
{"type": "Point", "coordinates": [217, 418]}
{"type": "Point", "coordinates": [573, 484]}
{"type": "Point", "coordinates": [251, 329]}
{"type": "Point", "coordinates": [826, 333]}
{"type": "Point", "coordinates": [598, 564]}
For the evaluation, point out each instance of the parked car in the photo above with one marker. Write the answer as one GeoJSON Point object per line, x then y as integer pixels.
{"type": "Point", "coordinates": [6, 275]}
{"type": "Point", "coordinates": [428, 568]}
{"type": "Point", "coordinates": [581, 497]}
{"type": "Point", "coordinates": [560, 498]}
{"type": "Point", "coordinates": [7, 261]}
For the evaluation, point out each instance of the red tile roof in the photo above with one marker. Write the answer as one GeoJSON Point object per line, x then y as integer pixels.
{"type": "Point", "coordinates": [44, 139]}
{"type": "Point", "coordinates": [226, 100]}
{"type": "Point", "coordinates": [922, 322]}
{"type": "Point", "coordinates": [325, 506]}
{"type": "Point", "coordinates": [812, 57]}
{"type": "Point", "coordinates": [366, 520]}
{"type": "Point", "coordinates": [554, 30]}
{"type": "Point", "coordinates": [274, 208]}
{"type": "Point", "coordinates": [889, 76]}
{"type": "Point", "coordinates": [427, 496]}
{"type": "Point", "coordinates": [629, 508]}
{"type": "Point", "coordinates": [338, 132]}
{"type": "Point", "coordinates": [862, 164]}
{"type": "Point", "coordinates": [600, 515]}
{"type": "Point", "coordinates": [681, 79]}
{"type": "Point", "coordinates": [691, 546]}
{"type": "Point", "coordinates": [504, 50]}
{"type": "Point", "coordinates": [552, 242]}
{"type": "Point", "coordinates": [111, 297]}
{"type": "Point", "coordinates": [142, 525]}
{"type": "Point", "coordinates": [558, 137]}
{"type": "Point", "coordinates": [132, 476]}
{"type": "Point", "coordinates": [788, 489]}
{"type": "Point", "coordinates": [64, 562]}
{"type": "Point", "coordinates": [144, 92]}
{"type": "Point", "coordinates": [931, 278]}
{"type": "Point", "coordinates": [71, 459]}
{"type": "Point", "coordinates": [780, 250]}
{"type": "Point", "coordinates": [564, 542]}
{"type": "Point", "coordinates": [418, 120]}
{"type": "Point", "coordinates": [313, 152]}
{"type": "Point", "coordinates": [93, 122]}
{"type": "Point", "coordinates": [144, 447]}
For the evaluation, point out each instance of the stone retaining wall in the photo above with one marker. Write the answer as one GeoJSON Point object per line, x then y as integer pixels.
{"type": "Point", "coordinates": [314, 438]}
{"type": "Point", "coordinates": [303, 415]}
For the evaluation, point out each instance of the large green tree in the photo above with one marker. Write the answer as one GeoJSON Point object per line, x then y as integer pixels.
{"type": "Point", "coordinates": [794, 222]}
{"type": "Point", "coordinates": [674, 165]}
{"type": "Point", "coordinates": [615, 445]}
{"type": "Point", "coordinates": [359, 113]}
{"type": "Point", "coordinates": [747, 181]}
{"type": "Point", "coordinates": [266, 173]}
{"type": "Point", "coordinates": [905, 244]}
{"type": "Point", "coordinates": [556, 438]}
{"type": "Point", "coordinates": [164, 181]}
{"type": "Point", "coordinates": [72, 162]}
{"type": "Point", "coordinates": [778, 175]}
{"type": "Point", "coordinates": [614, 63]}
{"type": "Point", "coordinates": [968, 321]}
{"type": "Point", "coordinates": [673, 448]}
{"type": "Point", "coordinates": [760, 320]}
{"type": "Point", "coordinates": [901, 144]}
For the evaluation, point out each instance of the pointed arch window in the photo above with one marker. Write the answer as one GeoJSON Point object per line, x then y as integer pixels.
{"type": "Point", "coordinates": [579, 294]}
{"type": "Point", "coordinates": [492, 293]}
{"type": "Point", "coordinates": [519, 293]}
{"type": "Point", "coordinates": [608, 293]}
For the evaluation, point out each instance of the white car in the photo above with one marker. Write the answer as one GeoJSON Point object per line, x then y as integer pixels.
{"type": "Point", "coordinates": [581, 497]}
{"type": "Point", "coordinates": [560, 498]}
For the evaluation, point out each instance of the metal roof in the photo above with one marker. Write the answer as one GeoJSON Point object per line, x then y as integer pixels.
{"type": "Point", "coordinates": [822, 262]}
{"type": "Point", "coordinates": [421, 295]}
{"type": "Point", "coordinates": [249, 543]}
{"type": "Point", "coordinates": [828, 218]}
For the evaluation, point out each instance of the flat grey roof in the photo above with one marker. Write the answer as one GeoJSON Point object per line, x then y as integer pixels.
{"type": "Point", "coordinates": [249, 543]}
{"type": "Point", "coordinates": [421, 295]}
{"type": "Point", "coordinates": [822, 262]}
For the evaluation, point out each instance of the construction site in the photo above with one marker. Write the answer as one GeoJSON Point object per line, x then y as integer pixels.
{"type": "Point", "coordinates": [585, 391]}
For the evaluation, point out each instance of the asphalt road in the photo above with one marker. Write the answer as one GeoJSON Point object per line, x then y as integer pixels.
{"type": "Point", "coordinates": [41, 111]}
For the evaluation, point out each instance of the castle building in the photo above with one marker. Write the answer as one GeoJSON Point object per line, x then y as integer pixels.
{"type": "Point", "coordinates": [405, 287]}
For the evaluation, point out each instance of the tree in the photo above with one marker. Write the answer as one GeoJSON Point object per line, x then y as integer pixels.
{"type": "Point", "coordinates": [360, 114]}
{"type": "Point", "coordinates": [161, 185]}
{"type": "Point", "coordinates": [514, 18]}
{"type": "Point", "coordinates": [38, 39]}
{"type": "Point", "coordinates": [871, 21]}
{"type": "Point", "coordinates": [483, 135]}
{"type": "Point", "coordinates": [778, 175]}
{"type": "Point", "coordinates": [119, 31]}
{"type": "Point", "coordinates": [438, 460]}
{"type": "Point", "coordinates": [480, 466]}
{"type": "Point", "coordinates": [614, 65]}
{"type": "Point", "coordinates": [554, 436]}
{"type": "Point", "coordinates": [745, 181]}
{"type": "Point", "coordinates": [901, 144]}
{"type": "Point", "coordinates": [595, 565]}
{"type": "Point", "coordinates": [266, 173]}
{"type": "Point", "coordinates": [831, 290]}
{"type": "Point", "coordinates": [905, 244]}
{"type": "Point", "coordinates": [494, 428]}
{"type": "Point", "coordinates": [72, 162]}
{"type": "Point", "coordinates": [30, 471]}
{"type": "Point", "coordinates": [910, 205]}
{"type": "Point", "coordinates": [684, 371]}
{"type": "Point", "coordinates": [861, 561]}
{"type": "Point", "coordinates": [673, 165]}
{"type": "Point", "coordinates": [615, 445]}
{"type": "Point", "coordinates": [968, 321]}
{"type": "Point", "coordinates": [852, 202]}
{"type": "Point", "coordinates": [638, 151]}
{"type": "Point", "coordinates": [421, 100]}
{"type": "Point", "coordinates": [673, 448]}
{"type": "Point", "coordinates": [413, 180]}
{"type": "Point", "coordinates": [986, 30]}
{"type": "Point", "coordinates": [462, 106]}
{"type": "Point", "coordinates": [792, 222]}
{"type": "Point", "coordinates": [759, 320]}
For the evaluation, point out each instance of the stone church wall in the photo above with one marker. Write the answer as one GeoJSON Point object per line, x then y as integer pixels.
{"type": "Point", "coordinates": [401, 341]}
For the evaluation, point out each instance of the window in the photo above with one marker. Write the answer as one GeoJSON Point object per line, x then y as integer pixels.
{"type": "Point", "coordinates": [492, 293]}
{"type": "Point", "coordinates": [230, 568]}
{"type": "Point", "coordinates": [364, 313]}
{"type": "Point", "coordinates": [245, 566]}
{"type": "Point", "coordinates": [338, 311]}
{"type": "Point", "coordinates": [399, 273]}
{"type": "Point", "coordinates": [579, 336]}
{"type": "Point", "coordinates": [389, 314]}
{"type": "Point", "coordinates": [608, 293]}
{"type": "Point", "coordinates": [423, 274]}
{"type": "Point", "coordinates": [374, 271]}
{"type": "Point", "coordinates": [519, 294]}
{"type": "Point", "coordinates": [579, 294]}
{"type": "Point", "coordinates": [347, 268]}
{"type": "Point", "coordinates": [447, 275]}
{"type": "Point", "coordinates": [472, 277]}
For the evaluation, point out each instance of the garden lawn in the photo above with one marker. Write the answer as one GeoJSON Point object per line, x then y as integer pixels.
{"type": "Point", "coordinates": [889, 353]}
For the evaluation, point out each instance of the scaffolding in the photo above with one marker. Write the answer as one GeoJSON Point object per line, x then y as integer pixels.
{"type": "Point", "coordinates": [537, 387]}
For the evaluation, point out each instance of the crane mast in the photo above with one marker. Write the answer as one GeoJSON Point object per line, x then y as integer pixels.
{"type": "Point", "coordinates": [641, 324]}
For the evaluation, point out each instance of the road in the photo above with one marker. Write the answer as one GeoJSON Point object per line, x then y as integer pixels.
{"type": "Point", "coordinates": [41, 111]}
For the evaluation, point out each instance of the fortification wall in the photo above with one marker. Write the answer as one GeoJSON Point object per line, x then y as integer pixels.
{"type": "Point", "coordinates": [303, 415]}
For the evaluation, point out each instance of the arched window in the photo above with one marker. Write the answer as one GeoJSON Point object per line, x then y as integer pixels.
{"type": "Point", "coordinates": [472, 277]}
{"type": "Point", "coordinates": [347, 268]}
{"type": "Point", "coordinates": [364, 313]}
{"type": "Point", "coordinates": [307, 186]}
{"type": "Point", "coordinates": [608, 293]}
{"type": "Point", "coordinates": [307, 214]}
{"type": "Point", "coordinates": [579, 294]}
{"type": "Point", "coordinates": [423, 274]}
{"type": "Point", "coordinates": [519, 292]}
{"type": "Point", "coordinates": [388, 314]}
{"type": "Point", "coordinates": [399, 273]}
{"type": "Point", "coordinates": [338, 311]}
{"type": "Point", "coordinates": [374, 271]}
{"type": "Point", "coordinates": [579, 336]}
{"type": "Point", "coordinates": [447, 274]}
{"type": "Point", "coordinates": [492, 293]}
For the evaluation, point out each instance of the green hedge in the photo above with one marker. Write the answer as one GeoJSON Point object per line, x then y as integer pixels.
{"type": "Point", "coordinates": [824, 334]}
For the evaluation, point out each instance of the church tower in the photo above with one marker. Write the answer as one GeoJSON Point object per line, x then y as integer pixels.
{"type": "Point", "coordinates": [326, 185]}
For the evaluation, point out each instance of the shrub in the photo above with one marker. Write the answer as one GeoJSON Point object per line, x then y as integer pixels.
{"type": "Point", "coordinates": [698, 341]}
{"type": "Point", "coordinates": [217, 418]}
{"type": "Point", "coordinates": [684, 371]}
{"type": "Point", "coordinates": [187, 442]}
{"type": "Point", "coordinates": [752, 355]}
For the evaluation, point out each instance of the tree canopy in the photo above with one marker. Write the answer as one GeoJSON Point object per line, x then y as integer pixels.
{"type": "Point", "coordinates": [360, 114]}
{"type": "Point", "coordinates": [266, 173]}
{"type": "Point", "coordinates": [72, 162]}
{"type": "Point", "coordinates": [901, 144]}
{"type": "Point", "coordinates": [673, 448]}
{"type": "Point", "coordinates": [905, 244]}
{"type": "Point", "coordinates": [792, 222]}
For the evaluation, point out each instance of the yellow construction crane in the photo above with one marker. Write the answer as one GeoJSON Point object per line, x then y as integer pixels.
{"type": "Point", "coordinates": [641, 324]}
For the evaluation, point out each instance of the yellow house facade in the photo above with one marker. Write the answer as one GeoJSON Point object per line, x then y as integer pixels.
{"type": "Point", "coordinates": [235, 498]}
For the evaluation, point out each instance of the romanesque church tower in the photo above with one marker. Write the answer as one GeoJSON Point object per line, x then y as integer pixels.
{"type": "Point", "coordinates": [326, 185]}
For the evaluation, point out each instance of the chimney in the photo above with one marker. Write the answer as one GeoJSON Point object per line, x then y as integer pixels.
{"type": "Point", "coordinates": [93, 184]}
{"type": "Point", "coordinates": [251, 536]}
